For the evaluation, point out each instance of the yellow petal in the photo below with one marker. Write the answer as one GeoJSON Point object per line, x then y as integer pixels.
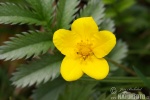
{"type": "Point", "coordinates": [96, 68]}
{"type": "Point", "coordinates": [85, 27]}
{"type": "Point", "coordinates": [71, 69]}
{"type": "Point", "coordinates": [103, 43]}
{"type": "Point", "coordinates": [65, 41]}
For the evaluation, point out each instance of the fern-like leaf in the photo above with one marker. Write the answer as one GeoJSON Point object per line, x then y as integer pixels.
{"type": "Point", "coordinates": [65, 13]}
{"type": "Point", "coordinates": [108, 24]}
{"type": "Point", "coordinates": [50, 90]}
{"type": "Point", "coordinates": [16, 14]}
{"type": "Point", "coordinates": [78, 90]}
{"type": "Point", "coordinates": [38, 71]}
{"type": "Point", "coordinates": [94, 8]}
{"type": "Point", "coordinates": [43, 8]}
{"type": "Point", "coordinates": [26, 45]}
{"type": "Point", "coordinates": [118, 53]}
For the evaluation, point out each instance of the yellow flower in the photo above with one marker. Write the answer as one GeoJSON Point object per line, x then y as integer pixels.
{"type": "Point", "coordinates": [84, 48]}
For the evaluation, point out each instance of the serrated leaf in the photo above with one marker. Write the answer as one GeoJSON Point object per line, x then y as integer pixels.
{"type": "Point", "coordinates": [43, 8]}
{"type": "Point", "coordinates": [26, 45]}
{"type": "Point", "coordinates": [94, 8]}
{"type": "Point", "coordinates": [78, 91]}
{"type": "Point", "coordinates": [65, 13]}
{"type": "Point", "coordinates": [50, 91]}
{"type": "Point", "coordinates": [16, 14]}
{"type": "Point", "coordinates": [107, 24]}
{"type": "Point", "coordinates": [47, 68]}
{"type": "Point", "coordinates": [118, 53]}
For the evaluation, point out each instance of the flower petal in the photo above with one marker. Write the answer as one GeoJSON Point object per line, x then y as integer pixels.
{"type": "Point", "coordinates": [103, 43]}
{"type": "Point", "coordinates": [65, 41]}
{"type": "Point", "coordinates": [96, 68]}
{"type": "Point", "coordinates": [71, 69]}
{"type": "Point", "coordinates": [85, 27]}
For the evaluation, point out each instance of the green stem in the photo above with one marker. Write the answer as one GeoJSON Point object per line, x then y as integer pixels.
{"type": "Point", "coordinates": [121, 66]}
{"type": "Point", "coordinates": [117, 79]}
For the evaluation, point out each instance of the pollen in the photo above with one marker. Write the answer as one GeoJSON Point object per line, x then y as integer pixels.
{"type": "Point", "coordinates": [84, 49]}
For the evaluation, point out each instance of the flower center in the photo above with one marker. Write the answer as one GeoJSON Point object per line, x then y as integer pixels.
{"type": "Point", "coordinates": [84, 50]}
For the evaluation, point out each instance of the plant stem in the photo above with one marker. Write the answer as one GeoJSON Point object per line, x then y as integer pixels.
{"type": "Point", "coordinates": [122, 66]}
{"type": "Point", "coordinates": [117, 79]}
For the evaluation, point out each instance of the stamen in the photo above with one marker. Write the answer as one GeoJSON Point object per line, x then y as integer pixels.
{"type": "Point", "coordinates": [84, 49]}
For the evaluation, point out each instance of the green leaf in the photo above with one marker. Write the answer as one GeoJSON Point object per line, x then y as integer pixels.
{"type": "Point", "coordinates": [117, 54]}
{"type": "Point", "coordinates": [107, 24]}
{"type": "Point", "coordinates": [26, 45]}
{"type": "Point", "coordinates": [16, 14]}
{"type": "Point", "coordinates": [78, 91]}
{"type": "Point", "coordinates": [43, 8]}
{"type": "Point", "coordinates": [50, 91]}
{"type": "Point", "coordinates": [142, 77]}
{"type": "Point", "coordinates": [94, 8]}
{"type": "Point", "coordinates": [42, 70]}
{"type": "Point", "coordinates": [65, 13]}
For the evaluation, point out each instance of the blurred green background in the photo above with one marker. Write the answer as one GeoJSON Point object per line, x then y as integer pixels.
{"type": "Point", "coordinates": [132, 22]}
